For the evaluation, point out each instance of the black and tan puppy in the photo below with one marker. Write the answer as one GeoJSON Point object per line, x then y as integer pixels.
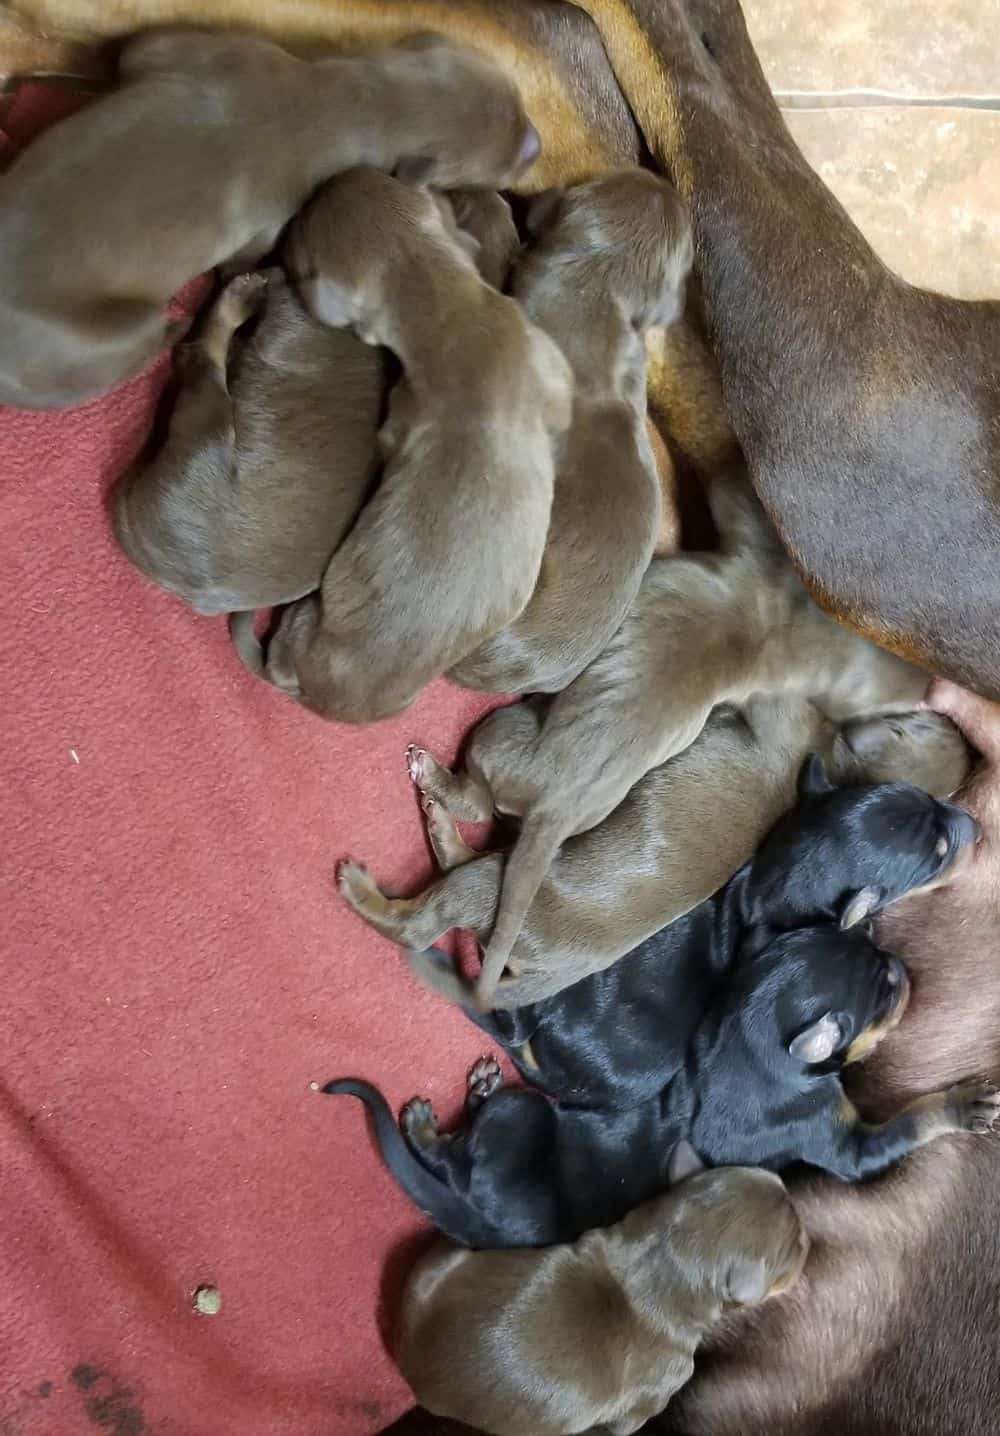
{"type": "Point", "coordinates": [760, 1086]}
{"type": "Point", "coordinates": [679, 835]}
{"type": "Point", "coordinates": [704, 629]}
{"type": "Point", "coordinates": [619, 1036]}
{"type": "Point", "coordinates": [448, 549]}
{"type": "Point", "coordinates": [604, 1331]}
{"type": "Point", "coordinates": [237, 132]}
{"type": "Point", "coordinates": [273, 442]}
{"type": "Point", "coordinates": [612, 262]}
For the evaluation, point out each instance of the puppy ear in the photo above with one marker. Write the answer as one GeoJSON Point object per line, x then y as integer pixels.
{"type": "Point", "coordinates": [817, 1043]}
{"type": "Point", "coordinates": [813, 782]}
{"type": "Point", "coordinates": [748, 1282]}
{"type": "Point", "coordinates": [859, 905]}
{"type": "Point", "coordinates": [684, 1162]}
{"type": "Point", "coordinates": [542, 211]}
{"type": "Point", "coordinates": [415, 170]}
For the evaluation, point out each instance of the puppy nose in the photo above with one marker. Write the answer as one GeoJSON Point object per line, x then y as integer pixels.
{"type": "Point", "coordinates": [531, 147]}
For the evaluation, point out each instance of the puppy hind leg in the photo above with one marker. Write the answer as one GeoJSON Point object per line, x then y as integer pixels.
{"type": "Point", "coordinates": [449, 847]}
{"type": "Point", "coordinates": [463, 794]}
{"type": "Point", "coordinates": [467, 898]}
{"type": "Point", "coordinates": [419, 1127]}
{"type": "Point", "coordinates": [485, 1077]}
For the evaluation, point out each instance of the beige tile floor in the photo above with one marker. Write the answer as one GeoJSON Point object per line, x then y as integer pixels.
{"type": "Point", "coordinates": [895, 102]}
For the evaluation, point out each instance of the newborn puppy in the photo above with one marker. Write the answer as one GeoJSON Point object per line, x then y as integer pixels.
{"type": "Point", "coordinates": [612, 262]}
{"type": "Point", "coordinates": [760, 1086]}
{"type": "Point", "coordinates": [619, 1036]}
{"type": "Point", "coordinates": [448, 549]}
{"type": "Point", "coordinates": [678, 836]}
{"type": "Point", "coordinates": [272, 444]}
{"type": "Point", "coordinates": [604, 1331]}
{"type": "Point", "coordinates": [703, 630]}
{"type": "Point", "coordinates": [200, 156]}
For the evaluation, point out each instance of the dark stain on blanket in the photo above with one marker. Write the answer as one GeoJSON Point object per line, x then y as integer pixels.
{"type": "Point", "coordinates": [108, 1405]}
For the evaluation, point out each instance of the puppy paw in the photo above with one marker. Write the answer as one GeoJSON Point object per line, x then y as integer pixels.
{"type": "Point", "coordinates": [242, 297]}
{"type": "Point", "coordinates": [418, 762]}
{"type": "Point", "coordinates": [418, 1122]}
{"type": "Point", "coordinates": [484, 1078]}
{"type": "Point", "coordinates": [977, 1106]}
{"type": "Point", "coordinates": [357, 886]}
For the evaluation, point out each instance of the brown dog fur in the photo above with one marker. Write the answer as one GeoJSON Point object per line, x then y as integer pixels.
{"type": "Point", "coordinates": [448, 550]}
{"type": "Point", "coordinates": [703, 630]}
{"type": "Point", "coordinates": [612, 260]}
{"type": "Point", "coordinates": [678, 836]}
{"type": "Point", "coordinates": [544, 1343]}
{"type": "Point", "coordinates": [272, 444]}
{"type": "Point", "coordinates": [81, 287]}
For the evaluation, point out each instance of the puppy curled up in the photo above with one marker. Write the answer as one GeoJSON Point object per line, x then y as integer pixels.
{"type": "Point", "coordinates": [680, 834]}
{"type": "Point", "coordinates": [548, 1343]}
{"type": "Point", "coordinates": [611, 261]}
{"type": "Point", "coordinates": [448, 549]}
{"type": "Point", "coordinates": [272, 445]}
{"type": "Point", "coordinates": [237, 133]}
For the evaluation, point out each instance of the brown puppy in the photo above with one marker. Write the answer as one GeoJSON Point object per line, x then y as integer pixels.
{"type": "Point", "coordinates": [271, 451]}
{"type": "Point", "coordinates": [237, 133]}
{"type": "Point", "coordinates": [547, 1343]}
{"type": "Point", "coordinates": [679, 835]}
{"type": "Point", "coordinates": [448, 550]}
{"type": "Point", "coordinates": [703, 630]}
{"type": "Point", "coordinates": [612, 262]}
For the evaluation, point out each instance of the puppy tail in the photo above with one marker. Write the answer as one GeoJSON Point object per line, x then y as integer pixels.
{"type": "Point", "coordinates": [246, 642]}
{"type": "Point", "coordinates": [449, 1213]}
{"type": "Point", "coordinates": [527, 868]}
{"type": "Point", "coordinates": [436, 970]}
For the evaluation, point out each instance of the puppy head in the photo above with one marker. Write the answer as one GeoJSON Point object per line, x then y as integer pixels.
{"type": "Point", "coordinates": [922, 748]}
{"type": "Point", "coordinates": [483, 218]}
{"type": "Point", "coordinates": [817, 998]}
{"type": "Point", "coordinates": [848, 852]}
{"type": "Point", "coordinates": [356, 233]}
{"type": "Point", "coordinates": [737, 1235]}
{"type": "Point", "coordinates": [468, 120]}
{"type": "Point", "coordinates": [626, 234]}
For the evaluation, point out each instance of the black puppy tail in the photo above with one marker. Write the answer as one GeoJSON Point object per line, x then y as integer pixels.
{"type": "Point", "coordinates": [444, 1208]}
{"type": "Point", "coordinates": [246, 642]}
{"type": "Point", "coordinates": [526, 870]}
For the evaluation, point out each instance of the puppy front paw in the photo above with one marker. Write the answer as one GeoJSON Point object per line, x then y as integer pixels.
{"type": "Point", "coordinates": [357, 887]}
{"type": "Point", "coordinates": [241, 298]}
{"type": "Point", "coordinates": [977, 1106]}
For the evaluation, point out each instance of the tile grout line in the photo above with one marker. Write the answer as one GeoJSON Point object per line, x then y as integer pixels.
{"type": "Point", "coordinates": [880, 99]}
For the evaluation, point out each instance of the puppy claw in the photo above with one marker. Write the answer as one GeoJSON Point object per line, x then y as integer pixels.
{"type": "Point", "coordinates": [416, 765]}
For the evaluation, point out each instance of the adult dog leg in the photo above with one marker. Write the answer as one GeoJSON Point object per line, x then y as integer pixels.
{"type": "Point", "coordinates": [868, 410]}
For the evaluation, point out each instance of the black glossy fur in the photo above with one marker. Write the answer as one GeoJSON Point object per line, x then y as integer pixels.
{"type": "Point", "coordinates": [619, 1036]}
{"type": "Point", "coordinates": [528, 1172]}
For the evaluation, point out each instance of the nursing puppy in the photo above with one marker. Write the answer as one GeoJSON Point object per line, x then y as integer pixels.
{"type": "Point", "coordinates": [237, 133]}
{"type": "Point", "coordinates": [604, 1331]}
{"type": "Point", "coordinates": [678, 836]}
{"type": "Point", "coordinates": [703, 630]}
{"type": "Point", "coordinates": [612, 263]}
{"type": "Point", "coordinates": [448, 549]}
{"type": "Point", "coordinates": [760, 1086]}
{"type": "Point", "coordinates": [619, 1036]}
{"type": "Point", "coordinates": [272, 444]}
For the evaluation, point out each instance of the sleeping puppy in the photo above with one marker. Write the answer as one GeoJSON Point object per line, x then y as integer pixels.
{"type": "Point", "coordinates": [448, 549]}
{"type": "Point", "coordinates": [604, 1331]}
{"type": "Point", "coordinates": [237, 133]}
{"type": "Point", "coordinates": [703, 630]}
{"type": "Point", "coordinates": [272, 444]}
{"type": "Point", "coordinates": [612, 262]}
{"type": "Point", "coordinates": [619, 1036]}
{"type": "Point", "coordinates": [760, 1086]}
{"type": "Point", "coordinates": [678, 836]}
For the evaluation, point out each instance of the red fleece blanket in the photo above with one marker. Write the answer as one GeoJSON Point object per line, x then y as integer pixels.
{"type": "Point", "coordinates": [178, 968]}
